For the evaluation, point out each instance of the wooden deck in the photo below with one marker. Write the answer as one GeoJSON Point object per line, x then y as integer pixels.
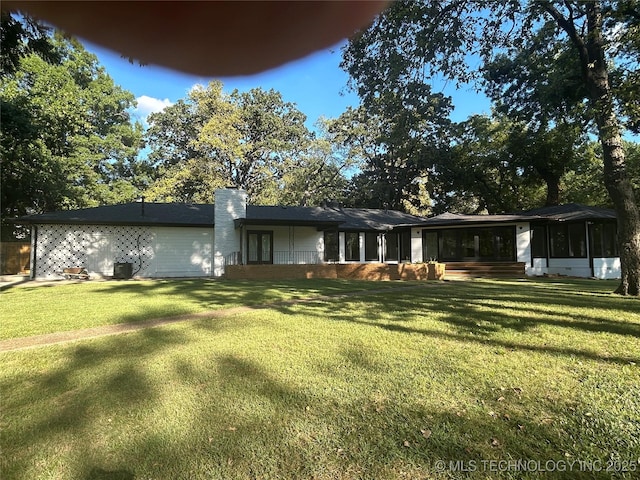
{"type": "Point", "coordinates": [484, 269]}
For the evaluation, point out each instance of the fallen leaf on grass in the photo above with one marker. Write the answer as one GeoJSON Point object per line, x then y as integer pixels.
{"type": "Point", "coordinates": [426, 433]}
{"type": "Point", "coordinates": [495, 442]}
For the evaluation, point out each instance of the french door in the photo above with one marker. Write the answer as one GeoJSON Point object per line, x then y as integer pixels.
{"type": "Point", "coordinates": [259, 247]}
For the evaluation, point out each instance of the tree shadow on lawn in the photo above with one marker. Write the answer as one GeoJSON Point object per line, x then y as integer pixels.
{"type": "Point", "coordinates": [89, 386]}
{"type": "Point", "coordinates": [216, 293]}
{"type": "Point", "coordinates": [462, 307]}
{"type": "Point", "coordinates": [244, 420]}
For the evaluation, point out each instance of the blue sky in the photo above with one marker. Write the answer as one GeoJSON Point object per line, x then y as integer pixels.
{"type": "Point", "coordinates": [316, 84]}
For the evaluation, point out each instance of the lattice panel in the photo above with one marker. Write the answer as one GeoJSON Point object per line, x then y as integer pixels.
{"type": "Point", "coordinates": [133, 245]}
{"type": "Point", "coordinates": [92, 247]}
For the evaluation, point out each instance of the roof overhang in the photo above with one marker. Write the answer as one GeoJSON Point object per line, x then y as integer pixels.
{"type": "Point", "coordinates": [112, 223]}
{"type": "Point", "coordinates": [318, 224]}
{"type": "Point", "coordinates": [473, 222]}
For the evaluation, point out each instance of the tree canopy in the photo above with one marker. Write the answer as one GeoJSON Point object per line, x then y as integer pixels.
{"type": "Point", "coordinates": [66, 138]}
{"type": "Point", "coordinates": [570, 58]}
{"type": "Point", "coordinates": [253, 140]}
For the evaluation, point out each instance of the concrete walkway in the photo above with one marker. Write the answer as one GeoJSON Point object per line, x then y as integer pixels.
{"type": "Point", "coordinates": [23, 343]}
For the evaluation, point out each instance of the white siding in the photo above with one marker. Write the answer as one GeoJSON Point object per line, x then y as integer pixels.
{"type": "Point", "coordinates": [416, 245]}
{"type": "Point", "coordinates": [538, 267]}
{"type": "Point", "coordinates": [607, 268]}
{"type": "Point", "coordinates": [342, 247]}
{"type": "Point", "coordinates": [523, 243]}
{"type": "Point", "coordinates": [575, 267]}
{"type": "Point", "coordinates": [99, 251]}
{"type": "Point", "coordinates": [183, 252]}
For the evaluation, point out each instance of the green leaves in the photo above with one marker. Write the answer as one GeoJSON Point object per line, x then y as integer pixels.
{"type": "Point", "coordinates": [67, 141]}
{"type": "Point", "coordinates": [254, 140]}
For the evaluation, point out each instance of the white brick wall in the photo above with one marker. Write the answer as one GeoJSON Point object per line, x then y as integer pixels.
{"type": "Point", "coordinates": [230, 204]}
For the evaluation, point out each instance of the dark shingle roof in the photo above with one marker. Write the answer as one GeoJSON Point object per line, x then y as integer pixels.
{"type": "Point", "coordinates": [572, 212]}
{"type": "Point", "coordinates": [560, 213]}
{"type": "Point", "coordinates": [202, 215]}
{"type": "Point", "coordinates": [160, 214]}
{"type": "Point", "coordinates": [360, 219]}
{"type": "Point", "coordinates": [355, 219]}
{"type": "Point", "coordinates": [350, 219]}
{"type": "Point", "coordinates": [449, 219]}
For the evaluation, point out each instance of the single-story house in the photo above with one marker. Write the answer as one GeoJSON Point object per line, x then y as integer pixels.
{"type": "Point", "coordinates": [200, 240]}
{"type": "Point", "coordinates": [195, 240]}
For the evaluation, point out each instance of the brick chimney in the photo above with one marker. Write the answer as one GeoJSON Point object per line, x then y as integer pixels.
{"type": "Point", "coordinates": [230, 205]}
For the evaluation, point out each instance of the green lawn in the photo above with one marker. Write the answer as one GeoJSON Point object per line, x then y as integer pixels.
{"type": "Point", "coordinates": [38, 309]}
{"type": "Point", "coordinates": [487, 376]}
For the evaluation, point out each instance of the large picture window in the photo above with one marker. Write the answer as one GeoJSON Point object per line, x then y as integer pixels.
{"type": "Point", "coordinates": [476, 244]}
{"type": "Point", "coordinates": [331, 248]}
{"type": "Point", "coordinates": [405, 246]}
{"type": "Point", "coordinates": [259, 247]}
{"type": "Point", "coordinates": [539, 241]}
{"type": "Point", "coordinates": [568, 240]}
{"type": "Point", "coordinates": [352, 246]}
{"type": "Point", "coordinates": [604, 240]}
{"type": "Point", "coordinates": [391, 247]}
{"type": "Point", "coordinates": [398, 246]}
{"type": "Point", "coordinates": [371, 247]}
{"type": "Point", "coordinates": [429, 245]}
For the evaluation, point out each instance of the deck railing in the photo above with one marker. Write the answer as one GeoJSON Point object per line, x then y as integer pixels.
{"type": "Point", "coordinates": [234, 258]}
{"type": "Point", "coordinates": [296, 258]}
{"type": "Point", "coordinates": [281, 258]}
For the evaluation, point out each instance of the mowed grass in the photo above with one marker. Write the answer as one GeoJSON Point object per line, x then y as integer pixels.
{"type": "Point", "coordinates": [383, 386]}
{"type": "Point", "coordinates": [39, 309]}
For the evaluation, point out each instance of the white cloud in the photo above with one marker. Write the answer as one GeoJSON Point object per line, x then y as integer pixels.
{"type": "Point", "coordinates": [148, 105]}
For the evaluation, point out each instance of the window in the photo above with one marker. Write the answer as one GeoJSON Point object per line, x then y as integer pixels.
{"type": "Point", "coordinates": [577, 240]}
{"type": "Point", "coordinates": [405, 246]}
{"type": "Point", "coordinates": [604, 240]}
{"type": "Point", "coordinates": [539, 241]}
{"type": "Point", "coordinates": [488, 242]}
{"type": "Point", "coordinates": [259, 247]}
{"type": "Point", "coordinates": [331, 248]}
{"type": "Point", "coordinates": [371, 247]}
{"type": "Point", "coordinates": [352, 246]}
{"type": "Point", "coordinates": [429, 245]}
{"type": "Point", "coordinates": [504, 239]}
{"type": "Point", "coordinates": [474, 244]}
{"type": "Point", "coordinates": [391, 247]}
{"type": "Point", "coordinates": [568, 240]}
{"type": "Point", "coordinates": [469, 243]}
{"type": "Point", "coordinates": [449, 244]}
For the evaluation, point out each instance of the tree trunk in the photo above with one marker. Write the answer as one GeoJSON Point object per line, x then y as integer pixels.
{"type": "Point", "coordinates": [591, 50]}
{"type": "Point", "coordinates": [615, 177]}
{"type": "Point", "coordinates": [621, 192]}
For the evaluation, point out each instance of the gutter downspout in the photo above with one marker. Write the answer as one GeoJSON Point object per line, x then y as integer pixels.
{"type": "Point", "coordinates": [588, 229]}
{"type": "Point", "coordinates": [34, 243]}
